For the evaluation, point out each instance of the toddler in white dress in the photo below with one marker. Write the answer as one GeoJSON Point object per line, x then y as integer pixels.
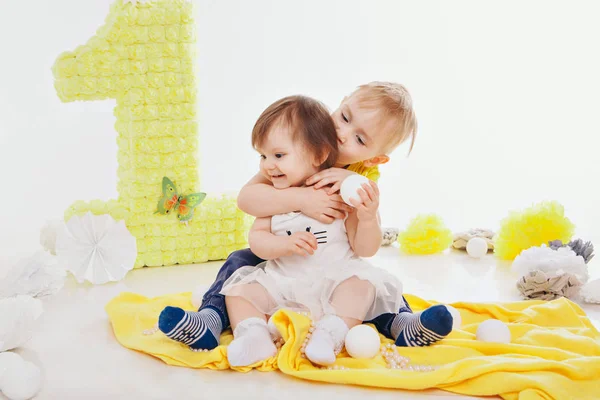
{"type": "Point", "coordinates": [311, 266]}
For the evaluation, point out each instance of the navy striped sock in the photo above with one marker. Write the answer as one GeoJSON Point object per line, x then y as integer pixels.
{"type": "Point", "coordinates": [421, 329]}
{"type": "Point", "coordinates": [198, 329]}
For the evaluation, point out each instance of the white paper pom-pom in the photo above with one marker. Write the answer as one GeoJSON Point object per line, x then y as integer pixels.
{"type": "Point", "coordinates": [36, 276]}
{"type": "Point", "coordinates": [350, 186]}
{"type": "Point", "coordinates": [493, 330]}
{"type": "Point", "coordinates": [21, 380]}
{"type": "Point", "coordinates": [18, 317]}
{"type": "Point", "coordinates": [362, 341]}
{"type": "Point", "coordinates": [590, 293]}
{"type": "Point", "coordinates": [551, 262]}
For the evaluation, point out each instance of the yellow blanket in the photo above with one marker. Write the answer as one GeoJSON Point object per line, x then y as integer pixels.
{"type": "Point", "coordinates": [554, 353]}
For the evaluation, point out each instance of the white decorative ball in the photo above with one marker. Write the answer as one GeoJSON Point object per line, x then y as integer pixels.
{"type": "Point", "coordinates": [21, 382]}
{"type": "Point", "coordinates": [493, 330]}
{"type": "Point", "coordinates": [362, 341]}
{"type": "Point", "coordinates": [198, 294]}
{"type": "Point", "coordinates": [350, 187]}
{"type": "Point", "coordinates": [477, 247]}
{"type": "Point", "coordinates": [456, 318]}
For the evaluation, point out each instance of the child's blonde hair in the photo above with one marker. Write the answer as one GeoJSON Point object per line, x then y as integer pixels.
{"type": "Point", "coordinates": [394, 100]}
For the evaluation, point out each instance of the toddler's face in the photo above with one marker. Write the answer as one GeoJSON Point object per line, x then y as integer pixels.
{"type": "Point", "coordinates": [284, 162]}
{"type": "Point", "coordinates": [363, 133]}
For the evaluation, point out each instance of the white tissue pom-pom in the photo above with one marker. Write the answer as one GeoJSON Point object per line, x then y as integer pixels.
{"type": "Point", "coordinates": [96, 248]}
{"type": "Point", "coordinates": [198, 294]}
{"type": "Point", "coordinates": [493, 330]}
{"type": "Point", "coordinates": [37, 276]}
{"type": "Point", "coordinates": [362, 341]}
{"type": "Point", "coordinates": [18, 316]}
{"type": "Point", "coordinates": [477, 247]}
{"type": "Point", "coordinates": [350, 186]}
{"type": "Point", "coordinates": [21, 381]}
{"type": "Point", "coordinates": [551, 262]}
{"type": "Point", "coordinates": [48, 235]}
{"type": "Point", "coordinates": [456, 318]}
{"type": "Point", "coordinates": [590, 293]}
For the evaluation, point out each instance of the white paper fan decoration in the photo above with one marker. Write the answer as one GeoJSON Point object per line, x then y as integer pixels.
{"type": "Point", "coordinates": [96, 248]}
{"type": "Point", "coordinates": [17, 322]}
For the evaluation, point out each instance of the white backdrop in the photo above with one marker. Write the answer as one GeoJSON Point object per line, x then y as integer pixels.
{"type": "Point", "coordinates": [506, 93]}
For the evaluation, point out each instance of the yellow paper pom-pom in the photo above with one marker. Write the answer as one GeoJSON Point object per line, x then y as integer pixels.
{"type": "Point", "coordinates": [425, 234]}
{"type": "Point", "coordinates": [534, 226]}
{"type": "Point", "coordinates": [97, 207]}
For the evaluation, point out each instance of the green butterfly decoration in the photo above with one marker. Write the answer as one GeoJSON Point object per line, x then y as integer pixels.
{"type": "Point", "coordinates": [171, 201]}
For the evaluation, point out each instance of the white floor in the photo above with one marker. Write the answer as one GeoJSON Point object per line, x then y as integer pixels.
{"type": "Point", "coordinates": [81, 359]}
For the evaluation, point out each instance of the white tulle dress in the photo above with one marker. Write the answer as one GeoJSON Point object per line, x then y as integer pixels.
{"type": "Point", "coordinates": [307, 283]}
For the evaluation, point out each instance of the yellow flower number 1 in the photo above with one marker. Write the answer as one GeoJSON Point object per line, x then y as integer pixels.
{"type": "Point", "coordinates": [143, 56]}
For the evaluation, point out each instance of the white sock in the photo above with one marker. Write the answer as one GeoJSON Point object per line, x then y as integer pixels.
{"type": "Point", "coordinates": [252, 343]}
{"type": "Point", "coordinates": [275, 335]}
{"type": "Point", "coordinates": [327, 340]}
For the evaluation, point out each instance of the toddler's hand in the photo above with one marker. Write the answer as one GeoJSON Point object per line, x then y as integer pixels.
{"type": "Point", "coordinates": [302, 243]}
{"type": "Point", "coordinates": [323, 207]}
{"type": "Point", "coordinates": [330, 176]}
{"type": "Point", "coordinates": [369, 195]}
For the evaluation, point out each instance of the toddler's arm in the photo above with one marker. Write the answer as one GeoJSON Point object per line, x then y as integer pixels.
{"type": "Point", "coordinates": [260, 199]}
{"type": "Point", "coordinates": [364, 226]}
{"type": "Point", "coordinates": [268, 246]}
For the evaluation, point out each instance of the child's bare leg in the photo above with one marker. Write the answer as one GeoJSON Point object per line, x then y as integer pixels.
{"type": "Point", "coordinates": [351, 301]}
{"type": "Point", "coordinates": [252, 341]}
{"type": "Point", "coordinates": [240, 309]}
